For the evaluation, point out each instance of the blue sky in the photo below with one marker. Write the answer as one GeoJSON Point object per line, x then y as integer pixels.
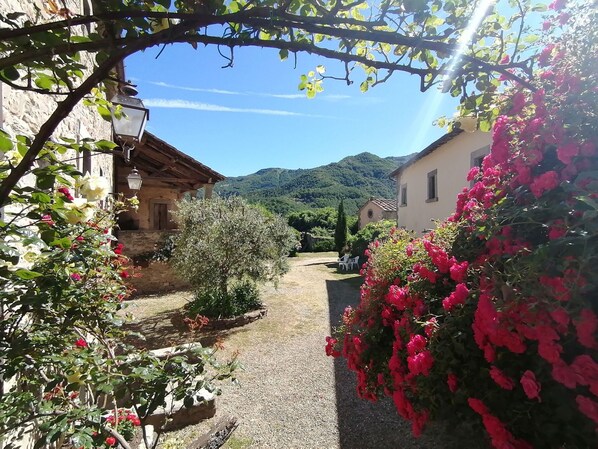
{"type": "Point", "coordinates": [252, 116]}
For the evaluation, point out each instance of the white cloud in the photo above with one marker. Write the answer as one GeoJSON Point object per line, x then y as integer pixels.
{"type": "Point", "coordinates": [196, 89]}
{"type": "Point", "coordinates": [258, 94]}
{"type": "Point", "coordinates": [198, 106]}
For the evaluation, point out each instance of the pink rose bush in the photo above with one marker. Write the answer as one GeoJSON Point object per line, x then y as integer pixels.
{"type": "Point", "coordinates": [492, 318]}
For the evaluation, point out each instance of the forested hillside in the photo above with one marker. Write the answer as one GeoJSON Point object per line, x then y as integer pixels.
{"type": "Point", "coordinates": [354, 179]}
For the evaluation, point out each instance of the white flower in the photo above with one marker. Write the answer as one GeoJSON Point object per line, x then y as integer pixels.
{"type": "Point", "coordinates": [94, 188]}
{"type": "Point", "coordinates": [79, 211]}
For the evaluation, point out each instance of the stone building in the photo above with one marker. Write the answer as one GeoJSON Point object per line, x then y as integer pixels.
{"type": "Point", "coordinates": [168, 175]}
{"type": "Point", "coordinates": [376, 209]}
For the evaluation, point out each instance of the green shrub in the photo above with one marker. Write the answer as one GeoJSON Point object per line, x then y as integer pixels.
{"type": "Point", "coordinates": [322, 245]}
{"type": "Point", "coordinates": [241, 298]}
{"type": "Point", "coordinates": [307, 220]}
{"type": "Point", "coordinates": [369, 233]}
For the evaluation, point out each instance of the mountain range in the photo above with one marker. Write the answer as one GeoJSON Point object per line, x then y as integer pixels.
{"type": "Point", "coordinates": [354, 179]}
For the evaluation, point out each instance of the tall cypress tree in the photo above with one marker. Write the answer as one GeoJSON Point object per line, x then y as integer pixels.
{"type": "Point", "coordinates": [340, 233]}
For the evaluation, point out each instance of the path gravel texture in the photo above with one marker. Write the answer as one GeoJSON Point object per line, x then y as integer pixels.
{"type": "Point", "coordinates": [291, 395]}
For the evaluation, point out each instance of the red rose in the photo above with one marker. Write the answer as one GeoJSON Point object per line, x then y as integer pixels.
{"type": "Point", "coordinates": [586, 328]}
{"type": "Point", "coordinates": [477, 406]}
{"type": "Point", "coordinates": [66, 192]}
{"type": "Point", "coordinates": [416, 344]}
{"type": "Point", "coordinates": [81, 343]}
{"type": "Point", "coordinates": [563, 374]}
{"type": "Point", "coordinates": [501, 379]}
{"type": "Point", "coordinates": [545, 182]}
{"type": "Point", "coordinates": [550, 351]}
{"type": "Point", "coordinates": [110, 441]}
{"type": "Point", "coordinates": [585, 369]}
{"type": "Point", "coordinates": [530, 385]}
{"type": "Point", "coordinates": [452, 382]}
{"type": "Point", "coordinates": [587, 407]}
{"type": "Point", "coordinates": [330, 343]}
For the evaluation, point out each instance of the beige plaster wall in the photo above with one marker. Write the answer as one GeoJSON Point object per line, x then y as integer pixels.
{"type": "Point", "coordinates": [452, 161]}
{"type": "Point", "coordinates": [377, 214]}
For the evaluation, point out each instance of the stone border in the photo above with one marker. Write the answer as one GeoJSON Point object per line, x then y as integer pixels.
{"type": "Point", "coordinates": [216, 324]}
{"type": "Point", "coordinates": [236, 321]}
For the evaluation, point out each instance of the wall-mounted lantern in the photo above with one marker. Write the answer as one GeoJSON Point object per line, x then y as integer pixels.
{"type": "Point", "coordinates": [130, 124]}
{"type": "Point", "coordinates": [134, 180]}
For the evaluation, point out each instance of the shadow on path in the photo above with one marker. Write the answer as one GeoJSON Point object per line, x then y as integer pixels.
{"type": "Point", "coordinates": [362, 424]}
{"type": "Point", "coordinates": [167, 329]}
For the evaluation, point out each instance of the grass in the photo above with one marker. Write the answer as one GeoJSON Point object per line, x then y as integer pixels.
{"type": "Point", "coordinates": [238, 443]}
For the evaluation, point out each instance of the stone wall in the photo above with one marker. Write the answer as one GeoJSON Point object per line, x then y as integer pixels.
{"type": "Point", "coordinates": [149, 196]}
{"type": "Point", "coordinates": [150, 277]}
{"type": "Point", "coordinates": [24, 112]}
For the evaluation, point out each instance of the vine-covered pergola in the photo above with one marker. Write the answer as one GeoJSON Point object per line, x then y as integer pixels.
{"type": "Point", "coordinates": [462, 46]}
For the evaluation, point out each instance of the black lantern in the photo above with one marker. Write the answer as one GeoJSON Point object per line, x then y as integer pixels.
{"type": "Point", "coordinates": [129, 126]}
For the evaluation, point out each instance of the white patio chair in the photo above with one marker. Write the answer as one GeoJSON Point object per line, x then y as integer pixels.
{"type": "Point", "coordinates": [343, 262]}
{"type": "Point", "coordinates": [353, 263]}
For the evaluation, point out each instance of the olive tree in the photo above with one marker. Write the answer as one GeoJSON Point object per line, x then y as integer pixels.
{"type": "Point", "coordinates": [226, 239]}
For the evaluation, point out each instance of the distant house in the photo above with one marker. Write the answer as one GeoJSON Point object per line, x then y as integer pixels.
{"type": "Point", "coordinates": [428, 184]}
{"type": "Point", "coordinates": [376, 209]}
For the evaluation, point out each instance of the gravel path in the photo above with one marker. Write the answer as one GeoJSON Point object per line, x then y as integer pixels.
{"type": "Point", "coordinates": [291, 395]}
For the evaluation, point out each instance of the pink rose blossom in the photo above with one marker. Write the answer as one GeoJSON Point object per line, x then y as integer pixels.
{"type": "Point", "coordinates": [588, 407]}
{"type": "Point", "coordinates": [531, 386]}
{"type": "Point", "coordinates": [501, 379]}
{"type": "Point", "coordinates": [452, 382]}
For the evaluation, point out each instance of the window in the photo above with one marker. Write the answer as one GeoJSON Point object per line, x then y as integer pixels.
{"type": "Point", "coordinates": [432, 186]}
{"type": "Point", "coordinates": [403, 198]}
{"type": "Point", "coordinates": [478, 156]}
{"type": "Point", "coordinates": [370, 213]}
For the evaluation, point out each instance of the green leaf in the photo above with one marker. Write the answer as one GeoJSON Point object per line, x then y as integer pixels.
{"type": "Point", "coordinates": [27, 274]}
{"type": "Point", "coordinates": [10, 74]}
{"type": "Point", "coordinates": [530, 39]}
{"type": "Point", "coordinates": [45, 181]}
{"type": "Point", "coordinates": [64, 243]}
{"type": "Point", "coordinates": [485, 126]}
{"type": "Point", "coordinates": [283, 54]}
{"type": "Point", "coordinates": [105, 145]}
{"type": "Point", "coordinates": [5, 142]}
{"type": "Point", "coordinates": [41, 197]}
{"type": "Point", "coordinates": [105, 113]}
